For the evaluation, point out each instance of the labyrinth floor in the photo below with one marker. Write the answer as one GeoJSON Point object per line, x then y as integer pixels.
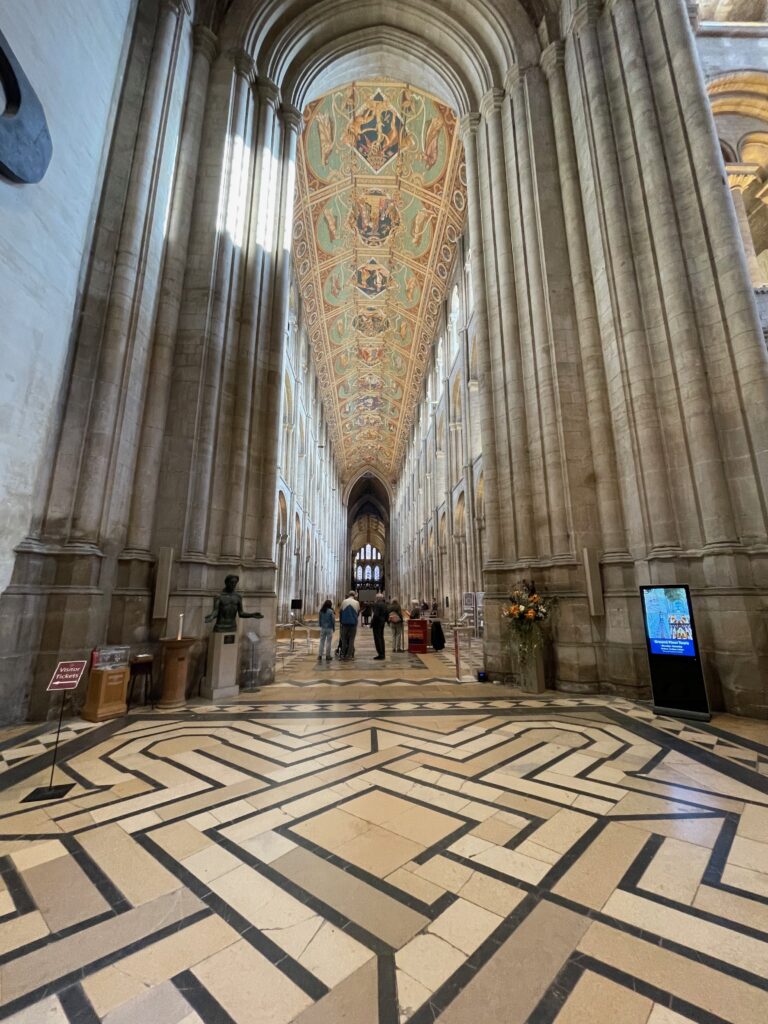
{"type": "Point", "coordinates": [377, 861]}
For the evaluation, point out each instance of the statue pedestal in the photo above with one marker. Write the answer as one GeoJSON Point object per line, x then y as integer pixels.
{"type": "Point", "coordinates": [175, 667]}
{"type": "Point", "coordinates": [220, 682]}
{"type": "Point", "coordinates": [531, 675]}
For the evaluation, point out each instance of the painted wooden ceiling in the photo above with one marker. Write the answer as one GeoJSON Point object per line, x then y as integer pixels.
{"type": "Point", "coordinates": [380, 209]}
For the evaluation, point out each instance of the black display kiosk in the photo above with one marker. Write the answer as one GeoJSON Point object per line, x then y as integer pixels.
{"type": "Point", "coordinates": [677, 679]}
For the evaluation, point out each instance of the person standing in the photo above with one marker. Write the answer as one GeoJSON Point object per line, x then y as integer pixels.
{"type": "Point", "coordinates": [378, 622]}
{"type": "Point", "coordinates": [396, 622]}
{"type": "Point", "coordinates": [350, 609]}
{"type": "Point", "coordinates": [327, 623]}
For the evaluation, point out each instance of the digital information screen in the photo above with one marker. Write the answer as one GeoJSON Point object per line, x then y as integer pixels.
{"type": "Point", "coordinates": [677, 679]}
{"type": "Point", "coordinates": [668, 617]}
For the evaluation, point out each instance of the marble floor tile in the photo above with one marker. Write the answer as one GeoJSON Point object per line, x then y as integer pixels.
{"type": "Point", "coordinates": [533, 955]}
{"type": "Point", "coordinates": [595, 1000]}
{"type": "Point", "coordinates": [249, 988]}
{"type": "Point", "coordinates": [465, 925]}
{"type": "Point", "coordinates": [375, 911]}
{"type": "Point", "coordinates": [429, 960]}
{"type": "Point", "coordinates": [676, 871]}
{"type": "Point", "coordinates": [136, 873]}
{"type": "Point", "coordinates": [355, 1000]}
{"type": "Point", "coordinates": [63, 893]}
{"type": "Point", "coordinates": [379, 851]}
{"type": "Point", "coordinates": [743, 951]}
{"type": "Point", "coordinates": [682, 976]}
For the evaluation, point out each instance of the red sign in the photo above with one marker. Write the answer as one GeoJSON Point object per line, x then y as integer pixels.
{"type": "Point", "coordinates": [67, 675]}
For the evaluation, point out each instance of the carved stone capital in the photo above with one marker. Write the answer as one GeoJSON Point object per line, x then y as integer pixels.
{"type": "Point", "coordinates": [469, 125]}
{"type": "Point", "coordinates": [491, 103]}
{"type": "Point", "coordinates": [204, 41]}
{"type": "Point", "coordinates": [744, 176]}
{"type": "Point", "coordinates": [694, 14]}
{"type": "Point", "coordinates": [517, 76]}
{"type": "Point", "coordinates": [243, 64]}
{"type": "Point", "coordinates": [552, 59]}
{"type": "Point", "coordinates": [268, 92]}
{"type": "Point", "coordinates": [585, 16]}
{"type": "Point", "coordinates": [291, 118]}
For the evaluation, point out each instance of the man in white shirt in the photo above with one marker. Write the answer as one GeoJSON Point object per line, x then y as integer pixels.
{"type": "Point", "coordinates": [350, 610]}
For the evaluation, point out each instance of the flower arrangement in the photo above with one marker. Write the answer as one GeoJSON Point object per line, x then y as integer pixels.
{"type": "Point", "coordinates": [526, 612]}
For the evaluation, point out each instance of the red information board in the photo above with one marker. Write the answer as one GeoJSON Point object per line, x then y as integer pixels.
{"type": "Point", "coordinates": [417, 635]}
{"type": "Point", "coordinates": [67, 675]}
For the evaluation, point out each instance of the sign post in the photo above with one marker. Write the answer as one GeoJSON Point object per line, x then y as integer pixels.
{"type": "Point", "coordinates": [456, 656]}
{"type": "Point", "coordinates": [677, 679]}
{"type": "Point", "coordinates": [66, 677]}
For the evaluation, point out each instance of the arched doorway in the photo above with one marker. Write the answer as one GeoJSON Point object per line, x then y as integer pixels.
{"type": "Point", "coordinates": [368, 523]}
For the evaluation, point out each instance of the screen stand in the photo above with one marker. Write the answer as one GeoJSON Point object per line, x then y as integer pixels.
{"type": "Point", "coordinates": [696, 716]}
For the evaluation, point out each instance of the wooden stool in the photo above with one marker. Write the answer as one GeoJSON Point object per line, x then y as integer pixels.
{"type": "Point", "coordinates": [141, 669]}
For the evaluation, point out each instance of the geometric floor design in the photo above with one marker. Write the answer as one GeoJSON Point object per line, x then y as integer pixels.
{"type": "Point", "coordinates": [565, 860]}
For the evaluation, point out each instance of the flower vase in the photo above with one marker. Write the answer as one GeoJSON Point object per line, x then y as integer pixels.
{"type": "Point", "coordinates": [530, 673]}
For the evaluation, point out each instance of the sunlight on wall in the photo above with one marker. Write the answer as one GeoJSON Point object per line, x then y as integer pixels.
{"type": "Point", "coordinates": [289, 206]}
{"type": "Point", "coordinates": [267, 205]}
{"type": "Point", "coordinates": [235, 214]}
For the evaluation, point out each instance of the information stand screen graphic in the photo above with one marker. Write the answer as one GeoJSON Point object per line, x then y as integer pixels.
{"type": "Point", "coordinates": [677, 679]}
{"type": "Point", "coordinates": [668, 621]}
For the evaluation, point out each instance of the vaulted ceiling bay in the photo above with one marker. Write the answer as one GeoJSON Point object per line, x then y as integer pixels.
{"type": "Point", "coordinates": [380, 206]}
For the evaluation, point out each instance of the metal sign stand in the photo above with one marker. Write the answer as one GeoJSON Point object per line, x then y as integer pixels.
{"type": "Point", "coordinates": [66, 677]}
{"type": "Point", "coordinates": [456, 651]}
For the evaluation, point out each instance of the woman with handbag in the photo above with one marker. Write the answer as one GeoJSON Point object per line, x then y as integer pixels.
{"type": "Point", "coordinates": [396, 622]}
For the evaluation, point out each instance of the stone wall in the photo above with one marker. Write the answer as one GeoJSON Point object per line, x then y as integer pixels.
{"type": "Point", "coordinates": [73, 53]}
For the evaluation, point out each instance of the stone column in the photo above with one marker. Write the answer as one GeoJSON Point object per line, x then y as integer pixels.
{"type": "Point", "coordinates": [156, 408]}
{"type": "Point", "coordinates": [542, 415]}
{"type": "Point", "coordinates": [250, 319]}
{"type": "Point", "coordinates": [740, 382]}
{"type": "Point", "coordinates": [702, 500]}
{"type": "Point", "coordinates": [217, 316]}
{"type": "Point", "coordinates": [109, 448]}
{"type": "Point", "coordinates": [495, 551]}
{"type": "Point", "coordinates": [269, 377]}
{"type": "Point", "coordinates": [515, 489]}
{"type": "Point", "coordinates": [756, 275]}
{"type": "Point", "coordinates": [610, 511]}
{"type": "Point", "coordinates": [650, 516]}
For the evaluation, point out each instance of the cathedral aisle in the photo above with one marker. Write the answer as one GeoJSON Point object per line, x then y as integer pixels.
{"type": "Point", "coordinates": [452, 855]}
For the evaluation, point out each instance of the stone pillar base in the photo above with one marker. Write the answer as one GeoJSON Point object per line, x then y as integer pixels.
{"type": "Point", "coordinates": [220, 681]}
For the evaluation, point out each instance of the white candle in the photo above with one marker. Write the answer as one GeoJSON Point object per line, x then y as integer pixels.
{"type": "Point", "coordinates": [181, 625]}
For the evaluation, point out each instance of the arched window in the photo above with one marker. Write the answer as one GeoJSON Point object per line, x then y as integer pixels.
{"type": "Point", "coordinates": [367, 550]}
{"type": "Point", "coordinates": [359, 573]}
{"type": "Point", "coordinates": [367, 572]}
{"type": "Point", "coordinates": [454, 322]}
{"type": "Point", "coordinates": [377, 574]}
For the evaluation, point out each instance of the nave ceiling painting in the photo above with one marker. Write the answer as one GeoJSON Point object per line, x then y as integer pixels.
{"type": "Point", "coordinates": [380, 208]}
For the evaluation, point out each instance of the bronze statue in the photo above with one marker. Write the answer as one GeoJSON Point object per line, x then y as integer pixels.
{"type": "Point", "coordinates": [227, 606]}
